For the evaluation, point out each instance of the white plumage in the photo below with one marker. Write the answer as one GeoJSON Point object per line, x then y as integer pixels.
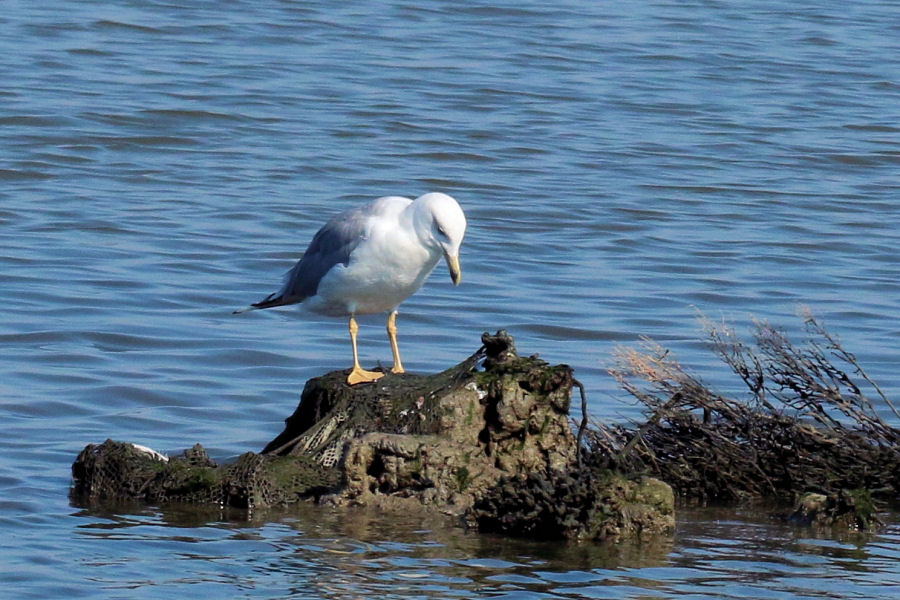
{"type": "Point", "coordinates": [372, 258]}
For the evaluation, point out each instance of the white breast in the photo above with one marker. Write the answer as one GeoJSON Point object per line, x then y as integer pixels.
{"type": "Point", "coordinates": [385, 269]}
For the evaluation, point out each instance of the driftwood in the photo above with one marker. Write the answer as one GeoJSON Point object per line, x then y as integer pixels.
{"type": "Point", "coordinates": [809, 424]}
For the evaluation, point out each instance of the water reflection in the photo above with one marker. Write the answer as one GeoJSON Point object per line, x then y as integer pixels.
{"type": "Point", "coordinates": [327, 552]}
{"type": "Point", "coordinates": [339, 552]}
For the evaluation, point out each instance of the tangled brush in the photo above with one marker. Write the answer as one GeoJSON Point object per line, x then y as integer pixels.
{"type": "Point", "coordinates": [808, 424]}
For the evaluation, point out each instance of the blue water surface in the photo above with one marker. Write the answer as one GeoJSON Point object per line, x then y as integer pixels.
{"type": "Point", "coordinates": [624, 167]}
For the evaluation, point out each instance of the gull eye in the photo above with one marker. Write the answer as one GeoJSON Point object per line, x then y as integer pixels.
{"type": "Point", "coordinates": [441, 231]}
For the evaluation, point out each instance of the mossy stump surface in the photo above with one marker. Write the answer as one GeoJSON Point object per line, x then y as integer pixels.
{"type": "Point", "coordinates": [461, 442]}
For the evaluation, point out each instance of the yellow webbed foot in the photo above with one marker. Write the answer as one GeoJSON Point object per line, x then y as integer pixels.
{"type": "Point", "coordinates": [358, 375]}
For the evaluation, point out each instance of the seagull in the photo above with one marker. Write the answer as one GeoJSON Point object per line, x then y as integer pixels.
{"type": "Point", "coordinates": [370, 259]}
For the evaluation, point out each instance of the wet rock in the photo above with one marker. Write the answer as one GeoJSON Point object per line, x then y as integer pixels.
{"type": "Point", "coordinates": [847, 509]}
{"type": "Point", "coordinates": [580, 505]}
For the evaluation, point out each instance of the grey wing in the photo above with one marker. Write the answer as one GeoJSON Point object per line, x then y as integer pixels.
{"type": "Point", "coordinates": [330, 246]}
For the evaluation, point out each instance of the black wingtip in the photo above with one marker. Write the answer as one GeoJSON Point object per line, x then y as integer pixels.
{"type": "Point", "coordinates": [270, 301]}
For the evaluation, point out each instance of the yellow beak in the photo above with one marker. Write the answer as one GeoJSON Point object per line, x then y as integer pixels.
{"type": "Point", "coordinates": [453, 265]}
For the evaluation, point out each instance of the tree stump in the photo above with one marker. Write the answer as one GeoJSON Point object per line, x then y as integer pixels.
{"type": "Point", "coordinates": [449, 442]}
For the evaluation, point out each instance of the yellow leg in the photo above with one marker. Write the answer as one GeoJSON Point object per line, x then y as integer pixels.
{"type": "Point", "coordinates": [358, 374]}
{"type": "Point", "coordinates": [392, 334]}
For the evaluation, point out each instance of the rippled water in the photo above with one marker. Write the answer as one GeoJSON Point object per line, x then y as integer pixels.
{"type": "Point", "coordinates": [622, 166]}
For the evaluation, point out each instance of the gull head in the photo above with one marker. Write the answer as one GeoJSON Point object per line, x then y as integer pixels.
{"type": "Point", "coordinates": [443, 224]}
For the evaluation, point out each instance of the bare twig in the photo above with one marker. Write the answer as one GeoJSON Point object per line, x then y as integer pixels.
{"type": "Point", "coordinates": [834, 345]}
{"type": "Point", "coordinates": [579, 449]}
